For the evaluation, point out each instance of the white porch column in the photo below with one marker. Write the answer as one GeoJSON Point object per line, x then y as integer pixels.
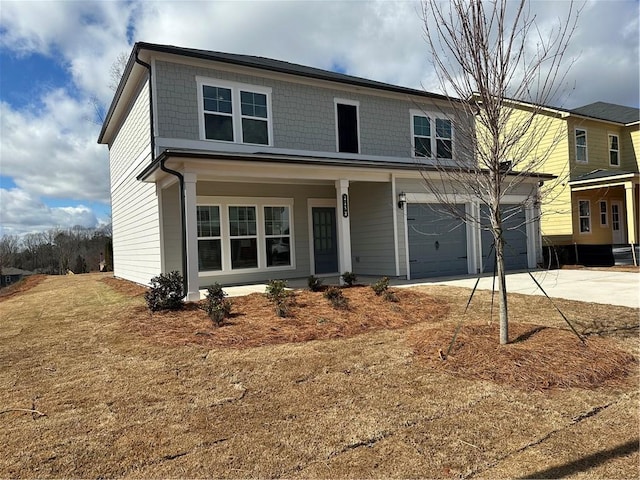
{"type": "Point", "coordinates": [344, 226]}
{"type": "Point", "coordinates": [193, 283]}
{"type": "Point", "coordinates": [631, 213]}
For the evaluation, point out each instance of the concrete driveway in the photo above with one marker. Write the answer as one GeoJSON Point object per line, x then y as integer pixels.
{"type": "Point", "coordinates": [598, 286]}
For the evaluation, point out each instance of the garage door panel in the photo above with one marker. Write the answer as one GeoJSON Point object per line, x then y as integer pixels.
{"type": "Point", "coordinates": [437, 242]}
{"type": "Point", "coordinates": [515, 236]}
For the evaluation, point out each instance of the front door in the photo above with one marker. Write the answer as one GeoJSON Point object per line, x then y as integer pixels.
{"type": "Point", "coordinates": [325, 242]}
{"type": "Point", "coordinates": [617, 226]}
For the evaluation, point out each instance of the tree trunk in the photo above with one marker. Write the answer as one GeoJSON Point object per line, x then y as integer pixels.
{"type": "Point", "coordinates": [502, 288]}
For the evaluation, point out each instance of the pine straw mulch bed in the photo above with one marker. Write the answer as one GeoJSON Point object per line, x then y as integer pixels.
{"type": "Point", "coordinates": [27, 283]}
{"type": "Point", "coordinates": [537, 358]}
{"type": "Point", "coordinates": [254, 323]}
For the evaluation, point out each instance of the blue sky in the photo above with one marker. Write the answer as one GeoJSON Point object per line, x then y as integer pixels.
{"type": "Point", "coordinates": [56, 56]}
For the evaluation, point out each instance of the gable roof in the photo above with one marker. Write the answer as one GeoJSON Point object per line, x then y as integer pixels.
{"type": "Point", "coordinates": [262, 63]}
{"type": "Point", "coordinates": [609, 111]}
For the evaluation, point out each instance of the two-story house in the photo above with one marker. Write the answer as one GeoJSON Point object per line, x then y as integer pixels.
{"type": "Point", "coordinates": [239, 169]}
{"type": "Point", "coordinates": [594, 153]}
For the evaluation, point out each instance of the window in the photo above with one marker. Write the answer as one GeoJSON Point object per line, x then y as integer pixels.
{"type": "Point", "coordinates": [584, 216]}
{"type": "Point", "coordinates": [277, 236]}
{"type": "Point", "coordinates": [232, 112]}
{"type": "Point", "coordinates": [581, 146]}
{"type": "Point", "coordinates": [243, 237]}
{"type": "Point", "coordinates": [425, 143]}
{"type": "Point", "coordinates": [603, 213]}
{"type": "Point", "coordinates": [209, 239]}
{"type": "Point", "coordinates": [347, 126]}
{"type": "Point", "coordinates": [614, 151]}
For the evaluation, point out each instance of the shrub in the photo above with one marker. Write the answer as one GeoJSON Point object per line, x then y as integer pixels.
{"type": "Point", "coordinates": [315, 284]}
{"type": "Point", "coordinates": [337, 298]}
{"type": "Point", "coordinates": [390, 296]}
{"type": "Point", "coordinates": [217, 307]}
{"type": "Point", "coordinates": [166, 292]}
{"type": "Point", "coordinates": [277, 293]}
{"type": "Point", "coordinates": [349, 278]}
{"type": "Point", "coordinates": [381, 286]}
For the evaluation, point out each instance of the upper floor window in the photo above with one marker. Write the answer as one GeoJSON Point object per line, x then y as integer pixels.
{"type": "Point", "coordinates": [347, 130]}
{"type": "Point", "coordinates": [425, 143]}
{"type": "Point", "coordinates": [581, 145]}
{"type": "Point", "coordinates": [614, 150]}
{"type": "Point", "coordinates": [232, 112]}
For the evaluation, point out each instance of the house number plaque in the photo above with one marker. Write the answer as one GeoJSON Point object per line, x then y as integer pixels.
{"type": "Point", "coordinates": [345, 205]}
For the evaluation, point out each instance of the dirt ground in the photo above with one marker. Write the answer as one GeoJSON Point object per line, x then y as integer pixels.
{"type": "Point", "coordinates": [93, 385]}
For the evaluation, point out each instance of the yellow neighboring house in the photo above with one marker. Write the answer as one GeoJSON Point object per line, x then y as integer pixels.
{"type": "Point", "coordinates": [595, 151]}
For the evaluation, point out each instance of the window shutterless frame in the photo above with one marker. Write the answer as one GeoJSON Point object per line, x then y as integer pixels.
{"type": "Point", "coordinates": [582, 154]}
{"type": "Point", "coordinates": [347, 118]}
{"type": "Point", "coordinates": [614, 149]}
{"type": "Point", "coordinates": [234, 112]}
{"type": "Point", "coordinates": [584, 216]}
{"type": "Point", "coordinates": [432, 135]}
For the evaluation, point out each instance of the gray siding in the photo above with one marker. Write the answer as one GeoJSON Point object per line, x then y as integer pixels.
{"type": "Point", "coordinates": [171, 229]}
{"type": "Point", "coordinates": [303, 115]}
{"type": "Point", "coordinates": [300, 194]}
{"type": "Point", "coordinates": [372, 246]}
{"type": "Point", "coordinates": [134, 205]}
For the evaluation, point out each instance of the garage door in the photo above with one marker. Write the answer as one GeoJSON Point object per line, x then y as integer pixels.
{"type": "Point", "coordinates": [437, 242]}
{"type": "Point", "coordinates": [515, 236]}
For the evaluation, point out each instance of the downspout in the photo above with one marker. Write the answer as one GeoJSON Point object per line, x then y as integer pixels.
{"type": "Point", "coordinates": [164, 168]}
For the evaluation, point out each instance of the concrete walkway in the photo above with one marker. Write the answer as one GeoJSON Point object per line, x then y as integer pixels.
{"type": "Point", "coordinates": [598, 286]}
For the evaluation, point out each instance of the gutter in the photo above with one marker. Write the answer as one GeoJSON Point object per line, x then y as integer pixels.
{"type": "Point", "coordinates": [164, 168]}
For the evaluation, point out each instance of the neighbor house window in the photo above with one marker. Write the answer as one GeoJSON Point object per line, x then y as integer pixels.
{"type": "Point", "coordinates": [584, 216]}
{"type": "Point", "coordinates": [614, 151]}
{"type": "Point", "coordinates": [277, 235]}
{"type": "Point", "coordinates": [581, 146]}
{"type": "Point", "coordinates": [603, 213]}
{"type": "Point", "coordinates": [233, 112]}
{"type": "Point", "coordinates": [209, 238]}
{"type": "Point", "coordinates": [347, 126]}
{"type": "Point", "coordinates": [243, 235]}
{"type": "Point", "coordinates": [431, 135]}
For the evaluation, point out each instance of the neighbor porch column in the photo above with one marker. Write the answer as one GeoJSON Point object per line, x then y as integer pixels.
{"type": "Point", "coordinates": [631, 213]}
{"type": "Point", "coordinates": [344, 226]}
{"type": "Point", "coordinates": [193, 282]}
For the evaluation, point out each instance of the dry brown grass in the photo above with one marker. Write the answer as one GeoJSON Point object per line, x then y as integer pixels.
{"type": "Point", "coordinates": [20, 287]}
{"type": "Point", "coordinates": [120, 404]}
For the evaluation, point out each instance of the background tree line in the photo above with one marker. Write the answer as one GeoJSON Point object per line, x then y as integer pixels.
{"type": "Point", "coordinates": [57, 251]}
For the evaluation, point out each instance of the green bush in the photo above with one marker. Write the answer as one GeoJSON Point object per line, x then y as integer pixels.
{"type": "Point", "coordinates": [349, 278]}
{"type": "Point", "coordinates": [277, 293]}
{"type": "Point", "coordinates": [217, 307]}
{"type": "Point", "coordinates": [315, 284]}
{"type": "Point", "coordinates": [337, 298]}
{"type": "Point", "coordinates": [381, 286]}
{"type": "Point", "coordinates": [166, 292]}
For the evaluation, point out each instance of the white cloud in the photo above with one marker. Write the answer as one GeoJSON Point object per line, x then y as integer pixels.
{"type": "Point", "coordinates": [50, 150]}
{"type": "Point", "coordinates": [22, 213]}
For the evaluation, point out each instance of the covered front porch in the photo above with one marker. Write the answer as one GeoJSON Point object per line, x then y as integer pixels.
{"type": "Point", "coordinates": [605, 207]}
{"type": "Point", "coordinates": [228, 221]}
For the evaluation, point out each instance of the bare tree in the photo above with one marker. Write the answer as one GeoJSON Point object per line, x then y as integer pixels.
{"type": "Point", "coordinates": [117, 69]}
{"type": "Point", "coordinates": [489, 57]}
{"type": "Point", "coordinates": [9, 247]}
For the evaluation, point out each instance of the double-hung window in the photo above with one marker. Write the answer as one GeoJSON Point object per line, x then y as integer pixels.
{"type": "Point", "coordinates": [244, 233]}
{"type": "Point", "coordinates": [209, 238]}
{"type": "Point", "coordinates": [432, 135]}
{"type": "Point", "coordinates": [233, 112]}
{"type": "Point", "coordinates": [581, 145]}
{"type": "Point", "coordinates": [614, 150]}
{"type": "Point", "coordinates": [584, 216]}
{"type": "Point", "coordinates": [603, 213]}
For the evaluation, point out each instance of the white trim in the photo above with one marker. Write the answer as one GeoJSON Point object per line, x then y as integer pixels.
{"type": "Point", "coordinates": [606, 213]}
{"type": "Point", "coordinates": [588, 232]}
{"type": "Point", "coordinates": [609, 149]}
{"type": "Point", "coordinates": [530, 229]}
{"type": "Point", "coordinates": [586, 143]}
{"type": "Point", "coordinates": [432, 117]}
{"type": "Point", "coordinates": [259, 203]}
{"type": "Point", "coordinates": [318, 202]}
{"type": "Point", "coordinates": [236, 110]}
{"type": "Point", "coordinates": [394, 203]}
{"type": "Point", "coordinates": [354, 103]}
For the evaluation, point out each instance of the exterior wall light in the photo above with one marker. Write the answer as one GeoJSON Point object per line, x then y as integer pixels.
{"type": "Point", "coordinates": [402, 199]}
